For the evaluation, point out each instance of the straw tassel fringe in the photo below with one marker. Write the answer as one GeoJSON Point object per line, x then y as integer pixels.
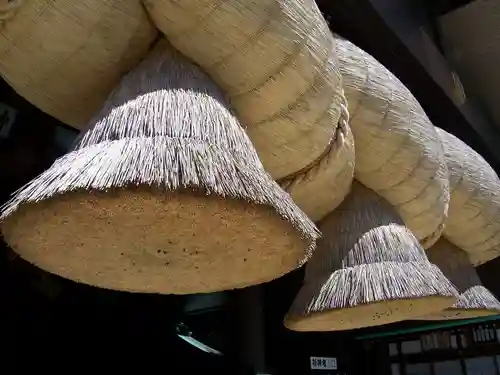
{"type": "Point", "coordinates": [167, 163]}
{"type": "Point", "coordinates": [148, 135]}
{"type": "Point", "coordinates": [368, 283]}
{"type": "Point", "coordinates": [475, 300]}
{"type": "Point", "coordinates": [477, 297]}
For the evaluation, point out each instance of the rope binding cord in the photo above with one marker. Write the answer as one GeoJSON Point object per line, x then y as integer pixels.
{"type": "Point", "coordinates": [335, 144]}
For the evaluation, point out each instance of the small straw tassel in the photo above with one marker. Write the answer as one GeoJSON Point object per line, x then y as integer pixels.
{"type": "Point", "coordinates": [368, 270]}
{"type": "Point", "coordinates": [475, 300]}
{"type": "Point", "coordinates": [164, 193]}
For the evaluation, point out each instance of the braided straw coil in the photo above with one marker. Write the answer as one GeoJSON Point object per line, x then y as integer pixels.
{"type": "Point", "coordinates": [276, 61]}
{"type": "Point", "coordinates": [164, 193]}
{"type": "Point", "coordinates": [368, 270]}
{"type": "Point", "coordinates": [319, 188]}
{"type": "Point", "coordinates": [475, 300]}
{"type": "Point", "coordinates": [398, 152]}
{"type": "Point", "coordinates": [65, 57]}
{"type": "Point", "coordinates": [474, 215]}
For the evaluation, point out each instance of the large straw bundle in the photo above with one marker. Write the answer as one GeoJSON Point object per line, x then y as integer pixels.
{"type": "Point", "coordinates": [475, 300]}
{"type": "Point", "coordinates": [276, 61]}
{"type": "Point", "coordinates": [164, 193]}
{"type": "Point", "coordinates": [398, 152]}
{"type": "Point", "coordinates": [369, 269]}
{"type": "Point", "coordinates": [65, 57]}
{"type": "Point", "coordinates": [474, 214]}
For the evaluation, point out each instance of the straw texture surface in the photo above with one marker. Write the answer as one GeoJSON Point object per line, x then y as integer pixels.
{"type": "Point", "coordinates": [65, 57]}
{"type": "Point", "coordinates": [164, 193]}
{"type": "Point", "coordinates": [368, 270]}
{"type": "Point", "coordinates": [475, 300]}
{"type": "Point", "coordinates": [320, 187]}
{"type": "Point", "coordinates": [474, 215]}
{"type": "Point", "coordinates": [276, 61]}
{"type": "Point", "coordinates": [398, 152]}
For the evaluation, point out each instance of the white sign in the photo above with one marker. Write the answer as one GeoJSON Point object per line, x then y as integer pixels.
{"type": "Point", "coordinates": [323, 363]}
{"type": "Point", "coordinates": [7, 118]}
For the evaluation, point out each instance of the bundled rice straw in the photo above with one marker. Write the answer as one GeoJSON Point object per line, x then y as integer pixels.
{"type": "Point", "coordinates": [323, 185]}
{"type": "Point", "coordinates": [398, 152]}
{"type": "Point", "coordinates": [276, 61]}
{"type": "Point", "coordinates": [475, 300]}
{"type": "Point", "coordinates": [65, 57]}
{"type": "Point", "coordinates": [164, 193]}
{"type": "Point", "coordinates": [368, 270]}
{"type": "Point", "coordinates": [474, 214]}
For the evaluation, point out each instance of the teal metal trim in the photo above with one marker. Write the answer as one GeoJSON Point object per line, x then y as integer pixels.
{"type": "Point", "coordinates": [199, 345]}
{"type": "Point", "coordinates": [429, 327]}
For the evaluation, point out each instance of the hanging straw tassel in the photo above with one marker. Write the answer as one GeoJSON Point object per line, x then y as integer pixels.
{"type": "Point", "coordinates": [276, 61]}
{"type": "Point", "coordinates": [368, 270]}
{"type": "Point", "coordinates": [475, 300]}
{"type": "Point", "coordinates": [474, 215]}
{"type": "Point", "coordinates": [164, 193]}
{"type": "Point", "coordinates": [65, 57]}
{"type": "Point", "coordinates": [398, 152]}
